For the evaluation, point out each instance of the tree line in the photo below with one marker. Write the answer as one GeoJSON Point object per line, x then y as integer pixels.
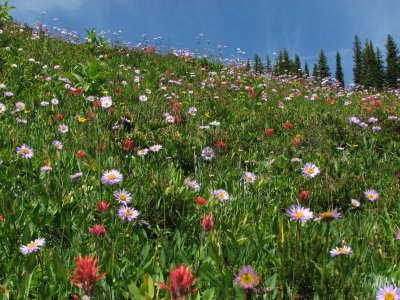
{"type": "Point", "coordinates": [369, 70]}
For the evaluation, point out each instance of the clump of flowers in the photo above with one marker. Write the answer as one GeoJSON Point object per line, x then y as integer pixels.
{"type": "Point", "coordinates": [86, 274]}
{"type": "Point", "coordinates": [247, 278]}
{"type": "Point", "coordinates": [181, 280]}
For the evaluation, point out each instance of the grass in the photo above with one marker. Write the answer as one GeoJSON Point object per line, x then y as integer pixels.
{"type": "Point", "coordinates": [250, 229]}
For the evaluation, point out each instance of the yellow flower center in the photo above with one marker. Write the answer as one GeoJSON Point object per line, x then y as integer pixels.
{"type": "Point", "coordinates": [249, 178]}
{"type": "Point", "coordinates": [388, 296]}
{"type": "Point", "coordinates": [298, 214]}
{"type": "Point", "coordinates": [310, 170]}
{"type": "Point", "coordinates": [342, 250]}
{"type": "Point", "coordinates": [112, 176]}
{"type": "Point", "coordinates": [371, 196]}
{"type": "Point", "coordinates": [128, 212]}
{"type": "Point", "coordinates": [208, 153]}
{"type": "Point", "coordinates": [247, 279]}
{"type": "Point", "coordinates": [122, 197]}
{"type": "Point", "coordinates": [25, 151]}
{"type": "Point", "coordinates": [221, 196]}
{"type": "Point", "coordinates": [32, 245]}
{"type": "Point", "coordinates": [326, 215]}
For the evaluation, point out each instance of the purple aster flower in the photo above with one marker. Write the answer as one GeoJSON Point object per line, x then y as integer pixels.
{"type": "Point", "coordinates": [371, 195]}
{"type": "Point", "coordinates": [127, 213]}
{"type": "Point", "coordinates": [310, 170]}
{"type": "Point", "coordinates": [340, 251]}
{"type": "Point", "coordinates": [111, 177]}
{"type": "Point", "coordinates": [388, 292]}
{"type": "Point", "coordinates": [328, 216]}
{"type": "Point", "coordinates": [192, 184]}
{"type": "Point", "coordinates": [247, 278]}
{"type": "Point", "coordinates": [32, 246]}
{"type": "Point", "coordinates": [298, 213]}
{"type": "Point", "coordinates": [123, 196]}
{"type": "Point", "coordinates": [76, 175]}
{"type": "Point", "coordinates": [208, 153]}
{"type": "Point", "coordinates": [25, 151]}
{"type": "Point", "coordinates": [249, 177]}
{"type": "Point", "coordinates": [221, 195]}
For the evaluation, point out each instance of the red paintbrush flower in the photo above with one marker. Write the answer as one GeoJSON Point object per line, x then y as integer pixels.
{"type": "Point", "coordinates": [85, 276]}
{"type": "Point", "coordinates": [102, 206]}
{"type": "Point", "coordinates": [269, 131]}
{"type": "Point", "coordinates": [181, 280]}
{"type": "Point", "coordinates": [128, 145]}
{"type": "Point", "coordinates": [304, 195]}
{"type": "Point", "coordinates": [207, 223]}
{"type": "Point", "coordinates": [221, 145]}
{"type": "Point", "coordinates": [288, 125]}
{"type": "Point", "coordinates": [201, 201]}
{"type": "Point", "coordinates": [98, 230]}
{"type": "Point", "coordinates": [80, 154]}
{"type": "Point", "coordinates": [59, 117]}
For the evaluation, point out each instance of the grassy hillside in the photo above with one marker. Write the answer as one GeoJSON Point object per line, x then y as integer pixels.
{"type": "Point", "coordinates": [111, 108]}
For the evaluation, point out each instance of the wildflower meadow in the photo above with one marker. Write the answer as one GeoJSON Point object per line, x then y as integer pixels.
{"type": "Point", "coordinates": [126, 173]}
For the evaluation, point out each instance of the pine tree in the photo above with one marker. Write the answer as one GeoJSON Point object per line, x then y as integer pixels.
{"type": "Point", "coordinates": [315, 71]}
{"type": "Point", "coordinates": [268, 65]}
{"type": "Point", "coordinates": [357, 58]}
{"type": "Point", "coordinates": [258, 66]}
{"type": "Point", "coordinates": [248, 66]}
{"type": "Point", "coordinates": [392, 62]}
{"type": "Point", "coordinates": [306, 71]}
{"type": "Point", "coordinates": [380, 70]}
{"type": "Point", "coordinates": [370, 71]}
{"type": "Point", "coordinates": [297, 66]}
{"type": "Point", "coordinates": [323, 67]}
{"type": "Point", "coordinates": [286, 62]}
{"type": "Point", "coordinates": [339, 72]}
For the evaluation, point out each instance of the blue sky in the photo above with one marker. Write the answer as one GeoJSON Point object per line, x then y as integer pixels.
{"type": "Point", "coordinates": [254, 26]}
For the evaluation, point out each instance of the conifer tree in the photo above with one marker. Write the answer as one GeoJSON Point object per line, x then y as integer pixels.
{"type": "Point", "coordinates": [370, 71]}
{"type": "Point", "coordinates": [268, 65]}
{"type": "Point", "coordinates": [380, 70]}
{"type": "Point", "coordinates": [323, 67]}
{"type": "Point", "coordinates": [258, 66]}
{"type": "Point", "coordinates": [357, 59]}
{"type": "Point", "coordinates": [306, 71]}
{"type": "Point", "coordinates": [297, 66]}
{"type": "Point", "coordinates": [248, 66]}
{"type": "Point", "coordinates": [392, 62]}
{"type": "Point", "coordinates": [339, 72]}
{"type": "Point", "coordinates": [286, 62]}
{"type": "Point", "coordinates": [315, 71]}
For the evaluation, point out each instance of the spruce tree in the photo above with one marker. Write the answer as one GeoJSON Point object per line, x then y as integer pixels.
{"type": "Point", "coordinates": [268, 65]}
{"type": "Point", "coordinates": [297, 66]}
{"type": "Point", "coordinates": [370, 71]}
{"type": "Point", "coordinates": [357, 59]}
{"type": "Point", "coordinates": [339, 72]}
{"type": "Point", "coordinates": [306, 71]}
{"type": "Point", "coordinates": [380, 70]}
{"type": "Point", "coordinates": [248, 66]}
{"type": "Point", "coordinates": [287, 64]}
{"type": "Point", "coordinates": [315, 71]}
{"type": "Point", "coordinates": [258, 66]}
{"type": "Point", "coordinates": [323, 67]}
{"type": "Point", "coordinates": [392, 62]}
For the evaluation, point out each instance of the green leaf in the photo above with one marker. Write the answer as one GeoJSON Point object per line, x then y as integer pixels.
{"type": "Point", "coordinates": [58, 267]}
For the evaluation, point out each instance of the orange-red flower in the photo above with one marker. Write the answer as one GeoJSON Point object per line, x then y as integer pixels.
{"type": "Point", "coordinates": [181, 280]}
{"type": "Point", "coordinates": [304, 195]}
{"type": "Point", "coordinates": [207, 223]}
{"type": "Point", "coordinates": [288, 125]}
{"type": "Point", "coordinates": [201, 201]}
{"type": "Point", "coordinates": [98, 230]}
{"type": "Point", "coordinates": [80, 154]}
{"type": "Point", "coordinates": [85, 276]}
{"type": "Point", "coordinates": [102, 206]}
{"type": "Point", "coordinates": [221, 145]}
{"type": "Point", "coordinates": [269, 131]}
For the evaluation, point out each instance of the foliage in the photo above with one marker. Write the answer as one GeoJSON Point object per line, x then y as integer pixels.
{"type": "Point", "coordinates": [268, 128]}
